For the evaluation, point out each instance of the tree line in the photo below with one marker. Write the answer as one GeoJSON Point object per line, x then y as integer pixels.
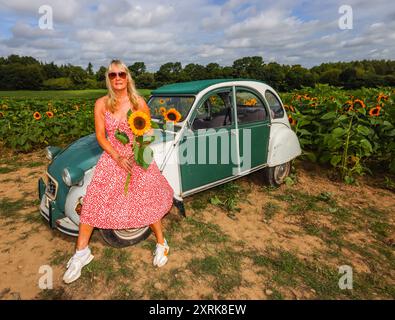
{"type": "Point", "coordinates": [24, 72]}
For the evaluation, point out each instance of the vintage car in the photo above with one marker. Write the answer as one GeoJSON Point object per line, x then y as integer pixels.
{"type": "Point", "coordinates": [228, 129]}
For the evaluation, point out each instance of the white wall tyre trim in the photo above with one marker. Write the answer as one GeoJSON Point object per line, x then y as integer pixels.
{"type": "Point", "coordinates": [130, 234]}
{"type": "Point", "coordinates": [281, 172]}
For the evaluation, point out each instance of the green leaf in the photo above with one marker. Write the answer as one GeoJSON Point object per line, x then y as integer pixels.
{"type": "Point", "coordinates": [304, 131]}
{"type": "Point", "coordinates": [338, 132]}
{"type": "Point", "coordinates": [139, 139]}
{"type": "Point", "coordinates": [366, 145]}
{"type": "Point", "coordinates": [363, 130]}
{"type": "Point", "coordinates": [329, 115]}
{"type": "Point", "coordinates": [335, 160]}
{"type": "Point", "coordinates": [154, 125]}
{"type": "Point", "coordinates": [122, 137]}
{"type": "Point", "coordinates": [215, 200]}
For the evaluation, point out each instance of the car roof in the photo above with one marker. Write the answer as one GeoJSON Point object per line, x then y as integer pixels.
{"type": "Point", "coordinates": [193, 87]}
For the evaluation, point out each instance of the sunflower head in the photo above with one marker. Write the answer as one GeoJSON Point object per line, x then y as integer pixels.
{"type": "Point", "coordinates": [139, 122]}
{"type": "Point", "coordinates": [1, 115]}
{"type": "Point", "coordinates": [359, 103]}
{"type": "Point", "coordinates": [375, 112]}
{"type": "Point", "coordinates": [37, 115]}
{"type": "Point", "coordinates": [172, 115]}
{"type": "Point", "coordinates": [49, 114]}
{"type": "Point", "coordinates": [162, 110]}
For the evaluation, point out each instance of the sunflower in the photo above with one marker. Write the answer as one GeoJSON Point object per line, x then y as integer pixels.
{"type": "Point", "coordinates": [1, 115]}
{"type": "Point", "coordinates": [374, 112]}
{"type": "Point", "coordinates": [172, 115]}
{"type": "Point", "coordinates": [161, 101]}
{"type": "Point", "coordinates": [139, 123]}
{"type": "Point", "coordinates": [76, 107]}
{"type": "Point", "coordinates": [360, 102]}
{"type": "Point", "coordinates": [382, 96]}
{"type": "Point", "coordinates": [49, 114]}
{"type": "Point", "coordinates": [37, 115]}
{"type": "Point", "coordinates": [291, 120]}
{"type": "Point", "coordinates": [292, 108]}
{"type": "Point", "coordinates": [162, 110]}
{"type": "Point", "coordinates": [349, 105]}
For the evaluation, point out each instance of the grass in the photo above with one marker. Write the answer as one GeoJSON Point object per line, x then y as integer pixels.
{"type": "Point", "coordinates": [218, 260]}
{"type": "Point", "coordinates": [10, 208]}
{"type": "Point", "coordinates": [109, 265]}
{"type": "Point", "coordinates": [198, 232]}
{"type": "Point", "coordinates": [222, 270]}
{"type": "Point", "coordinates": [269, 210]}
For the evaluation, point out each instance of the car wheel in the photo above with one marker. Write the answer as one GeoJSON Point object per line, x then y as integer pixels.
{"type": "Point", "coordinates": [275, 176]}
{"type": "Point", "coordinates": [124, 237]}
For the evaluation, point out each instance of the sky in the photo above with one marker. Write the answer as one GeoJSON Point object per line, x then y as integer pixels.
{"type": "Point", "coordinates": [197, 31]}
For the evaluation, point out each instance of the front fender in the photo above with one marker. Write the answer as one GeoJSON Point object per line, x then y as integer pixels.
{"type": "Point", "coordinates": [73, 195]}
{"type": "Point", "coordinates": [283, 145]}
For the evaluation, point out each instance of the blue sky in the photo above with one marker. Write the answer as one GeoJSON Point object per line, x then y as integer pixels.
{"type": "Point", "coordinates": [197, 31]}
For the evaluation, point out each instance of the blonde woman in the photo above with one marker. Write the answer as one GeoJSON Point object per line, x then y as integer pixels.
{"type": "Point", "coordinates": [105, 206]}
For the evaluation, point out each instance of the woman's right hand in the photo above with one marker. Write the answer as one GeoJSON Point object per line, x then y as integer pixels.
{"type": "Point", "coordinates": [124, 163]}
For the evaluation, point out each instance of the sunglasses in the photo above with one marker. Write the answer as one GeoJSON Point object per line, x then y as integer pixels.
{"type": "Point", "coordinates": [113, 75]}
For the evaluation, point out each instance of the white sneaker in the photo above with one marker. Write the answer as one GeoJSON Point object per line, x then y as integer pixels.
{"type": "Point", "coordinates": [160, 254]}
{"type": "Point", "coordinates": [75, 265]}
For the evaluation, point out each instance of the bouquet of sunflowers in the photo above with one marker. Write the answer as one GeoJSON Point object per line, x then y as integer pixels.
{"type": "Point", "coordinates": [140, 123]}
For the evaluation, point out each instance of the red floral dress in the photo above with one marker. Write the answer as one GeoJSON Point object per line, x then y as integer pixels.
{"type": "Point", "coordinates": [105, 205]}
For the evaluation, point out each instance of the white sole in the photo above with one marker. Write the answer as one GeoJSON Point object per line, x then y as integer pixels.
{"type": "Point", "coordinates": [79, 273]}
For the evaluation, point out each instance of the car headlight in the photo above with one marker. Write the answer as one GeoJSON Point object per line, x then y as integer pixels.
{"type": "Point", "coordinates": [51, 152]}
{"type": "Point", "coordinates": [73, 176]}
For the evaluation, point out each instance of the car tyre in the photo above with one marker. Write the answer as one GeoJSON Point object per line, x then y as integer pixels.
{"type": "Point", "coordinates": [125, 237]}
{"type": "Point", "coordinates": [275, 176]}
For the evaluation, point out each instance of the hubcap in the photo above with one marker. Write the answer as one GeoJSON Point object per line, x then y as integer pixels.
{"type": "Point", "coordinates": [129, 234]}
{"type": "Point", "coordinates": [281, 172]}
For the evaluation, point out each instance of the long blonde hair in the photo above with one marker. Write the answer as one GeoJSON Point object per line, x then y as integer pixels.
{"type": "Point", "coordinates": [131, 88]}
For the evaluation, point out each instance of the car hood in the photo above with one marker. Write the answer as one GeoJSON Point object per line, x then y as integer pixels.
{"type": "Point", "coordinates": [86, 151]}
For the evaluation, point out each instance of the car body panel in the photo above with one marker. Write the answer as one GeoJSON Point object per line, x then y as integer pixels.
{"type": "Point", "coordinates": [272, 143]}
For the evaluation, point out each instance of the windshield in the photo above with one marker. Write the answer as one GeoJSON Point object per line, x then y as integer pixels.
{"type": "Point", "coordinates": [181, 103]}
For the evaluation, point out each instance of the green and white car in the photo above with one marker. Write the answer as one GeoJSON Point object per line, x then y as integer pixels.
{"type": "Point", "coordinates": [207, 147]}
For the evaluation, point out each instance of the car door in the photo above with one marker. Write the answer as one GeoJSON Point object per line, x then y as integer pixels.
{"type": "Point", "coordinates": [253, 127]}
{"type": "Point", "coordinates": [208, 152]}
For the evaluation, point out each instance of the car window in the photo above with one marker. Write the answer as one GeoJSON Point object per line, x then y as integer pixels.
{"type": "Point", "coordinates": [180, 103]}
{"type": "Point", "coordinates": [214, 112]}
{"type": "Point", "coordinates": [249, 107]}
{"type": "Point", "coordinates": [274, 104]}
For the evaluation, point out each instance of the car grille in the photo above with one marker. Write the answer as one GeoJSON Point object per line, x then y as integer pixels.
{"type": "Point", "coordinates": [51, 188]}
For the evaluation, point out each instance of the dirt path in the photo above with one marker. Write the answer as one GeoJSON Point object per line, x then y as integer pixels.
{"type": "Point", "coordinates": [286, 243]}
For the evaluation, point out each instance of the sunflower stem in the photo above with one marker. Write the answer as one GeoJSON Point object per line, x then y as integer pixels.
{"type": "Point", "coordinates": [127, 184]}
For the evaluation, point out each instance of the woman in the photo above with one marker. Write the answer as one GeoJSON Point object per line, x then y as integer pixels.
{"type": "Point", "coordinates": [105, 205]}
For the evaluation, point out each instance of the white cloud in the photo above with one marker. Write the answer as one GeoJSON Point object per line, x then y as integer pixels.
{"type": "Point", "coordinates": [197, 31]}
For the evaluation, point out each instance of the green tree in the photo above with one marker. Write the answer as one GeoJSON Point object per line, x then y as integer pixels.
{"type": "Point", "coordinates": [137, 69]}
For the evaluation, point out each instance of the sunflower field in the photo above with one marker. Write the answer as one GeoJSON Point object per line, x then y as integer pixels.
{"type": "Point", "coordinates": [353, 131]}
{"type": "Point", "coordinates": [31, 124]}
